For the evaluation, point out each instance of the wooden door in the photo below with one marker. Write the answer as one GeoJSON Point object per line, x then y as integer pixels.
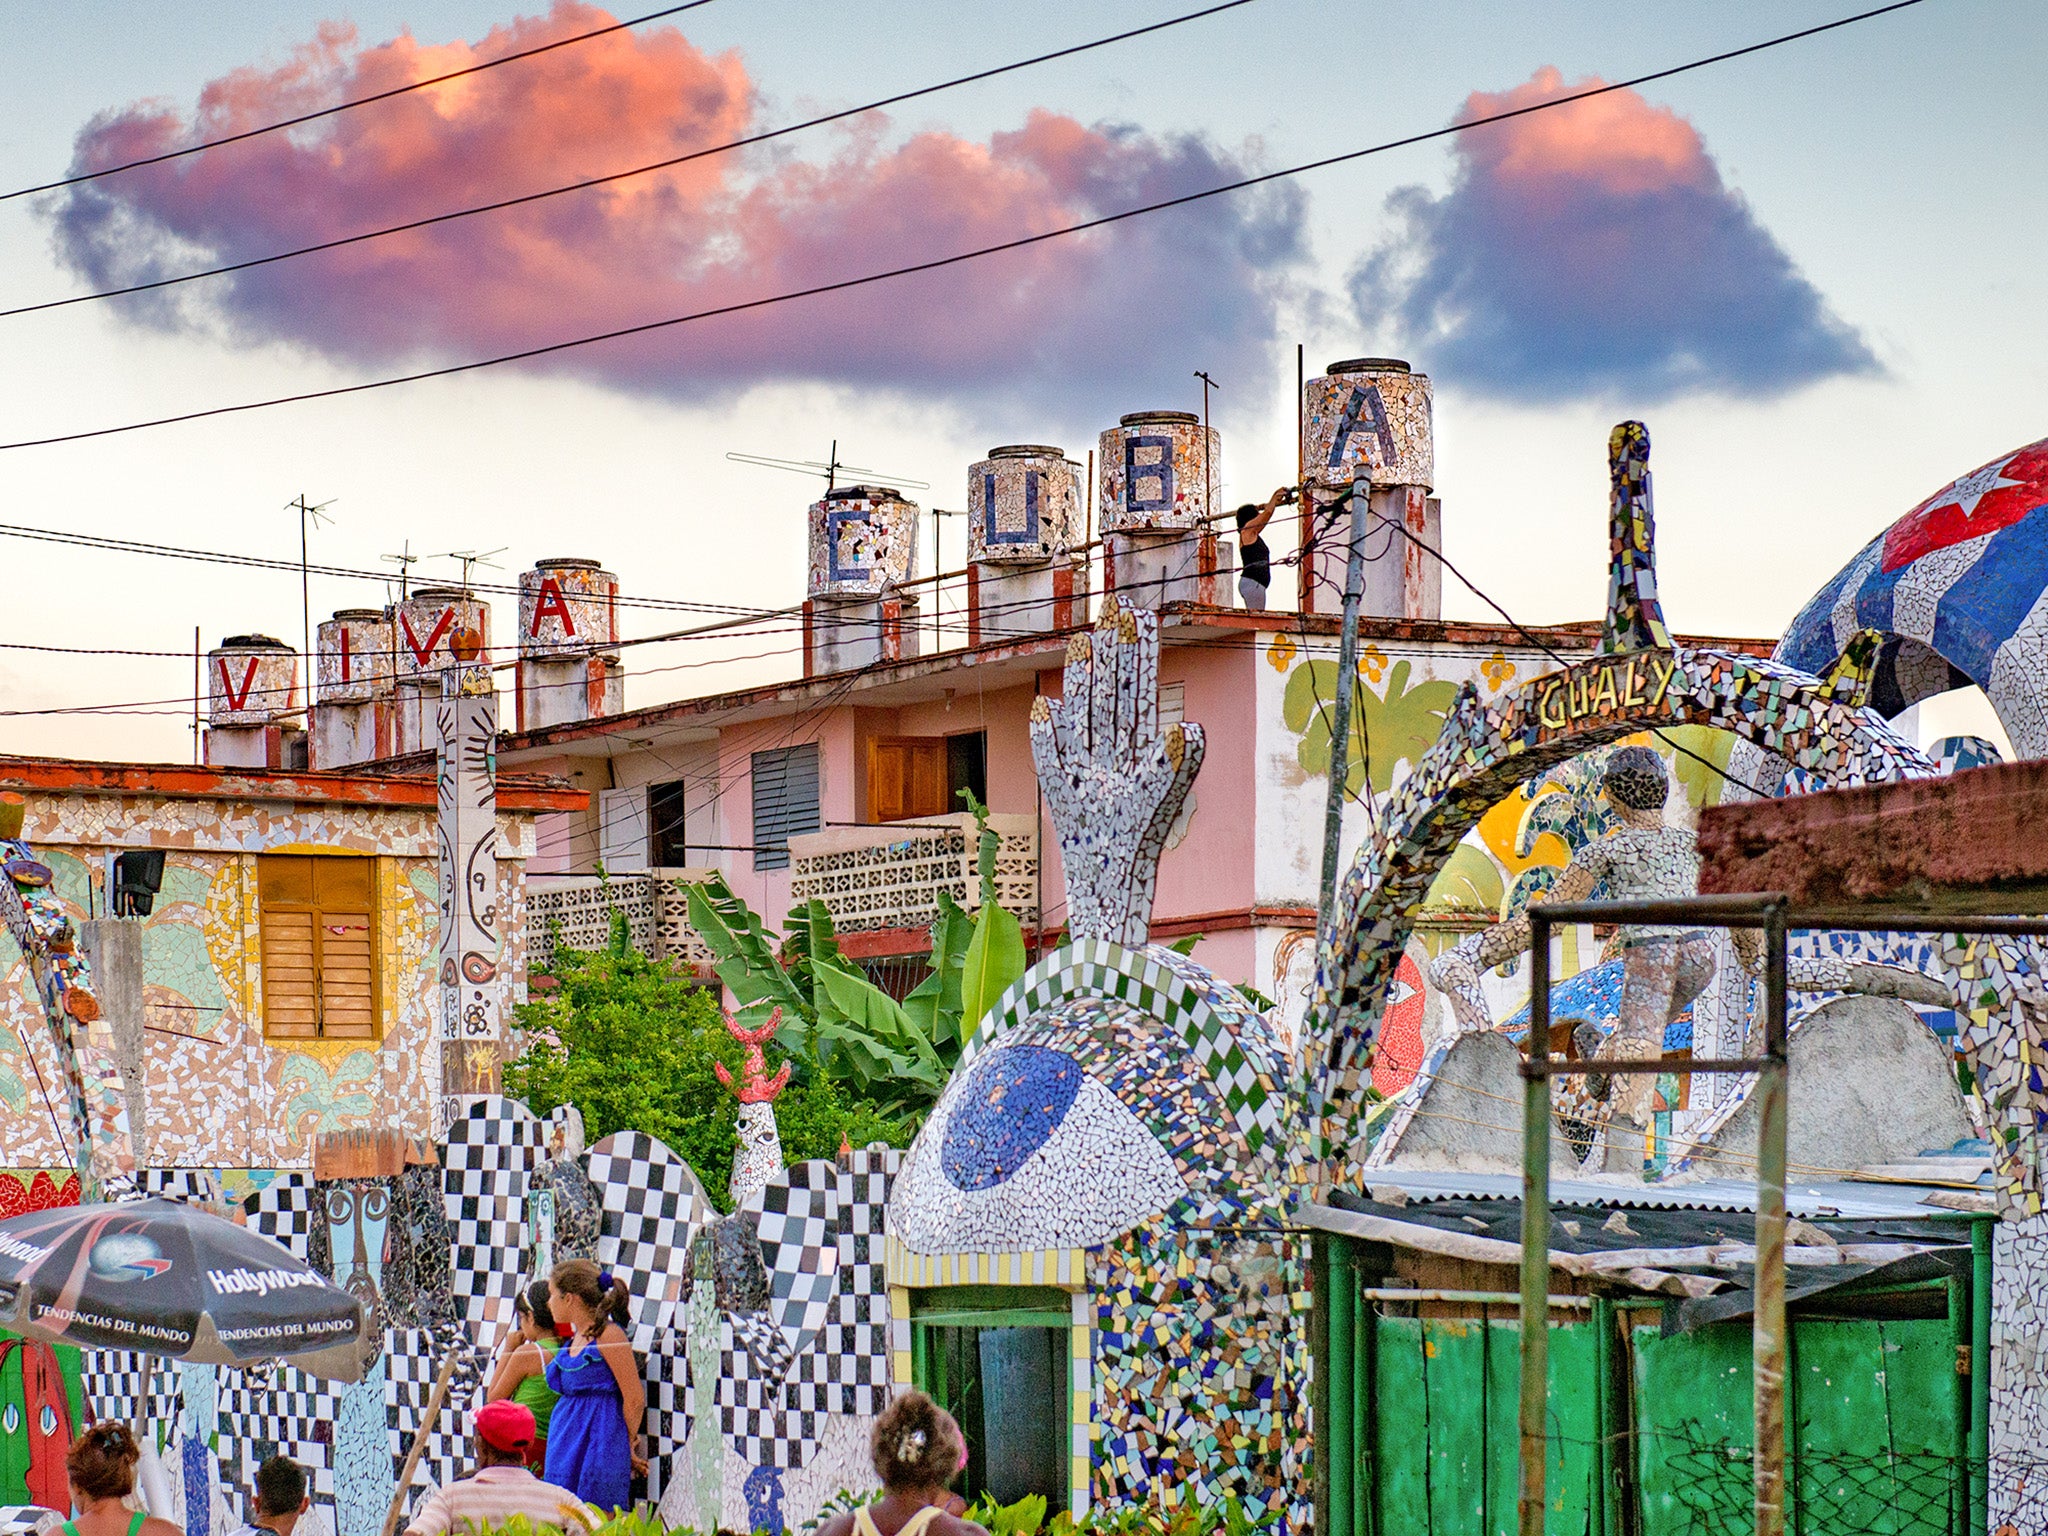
{"type": "Point", "coordinates": [907, 778]}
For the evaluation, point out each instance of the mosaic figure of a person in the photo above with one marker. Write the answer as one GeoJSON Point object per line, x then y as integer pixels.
{"type": "Point", "coordinates": [1664, 970]}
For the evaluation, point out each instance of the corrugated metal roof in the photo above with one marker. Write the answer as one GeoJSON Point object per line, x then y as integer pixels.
{"type": "Point", "coordinates": [1805, 1198]}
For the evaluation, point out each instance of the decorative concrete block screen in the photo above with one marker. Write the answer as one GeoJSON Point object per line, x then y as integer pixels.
{"type": "Point", "coordinates": [575, 911]}
{"type": "Point", "coordinates": [890, 876]}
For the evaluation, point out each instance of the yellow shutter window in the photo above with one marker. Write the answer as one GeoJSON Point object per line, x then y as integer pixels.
{"type": "Point", "coordinates": [319, 947]}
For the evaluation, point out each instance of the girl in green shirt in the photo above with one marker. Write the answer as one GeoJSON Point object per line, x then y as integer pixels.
{"type": "Point", "coordinates": [521, 1369]}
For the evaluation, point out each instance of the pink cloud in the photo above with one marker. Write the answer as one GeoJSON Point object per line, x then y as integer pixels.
{"type": "Point", "coordinates": [1082, 322]}
{"type": "Point", "coordinates": [1594, 250]}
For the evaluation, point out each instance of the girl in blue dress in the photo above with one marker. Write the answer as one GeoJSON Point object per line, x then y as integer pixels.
{"type": "Point", "coordinates": [600, 1396]}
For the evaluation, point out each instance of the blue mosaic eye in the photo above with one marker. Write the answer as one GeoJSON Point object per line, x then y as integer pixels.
{"type": "Point", "coordinates": [1029, 1150]}
{"type": "Point", "coordinates": [1012, 1102]}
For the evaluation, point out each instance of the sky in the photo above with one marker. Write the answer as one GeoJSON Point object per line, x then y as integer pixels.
{"type": "Point", "coordinates": [1814, 272]}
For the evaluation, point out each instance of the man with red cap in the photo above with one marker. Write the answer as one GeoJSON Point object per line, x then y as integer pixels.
{"type": "Point", "coordinates": [502, 1486]}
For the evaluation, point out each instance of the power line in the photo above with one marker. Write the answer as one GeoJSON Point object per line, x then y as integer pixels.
{"type": "Point", "coordinates": [346, 106]}
{"type": "Point", "coordinates": [616, 176]}
{"type": "Point", "coordinates": [958, 257]}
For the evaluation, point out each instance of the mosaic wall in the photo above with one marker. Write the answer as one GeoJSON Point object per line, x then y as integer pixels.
{"type": "Point", "coordinates": [218, 1094]}
{"type": "Point", "coordinates": [1023, 505]}
{"type": "Point", "coordinates": [1157, 472]}
{"type": "Point", "coordinates": [1202, 1372]}
{"type": "Point", "coordinates": [2019, 1375]}
{"type": "Point", "coordinates": [863, 542]}
{"type": "Point", "coordinates": [1372, 420]}
{"type": "Point", "coordinates": [1957, 590]}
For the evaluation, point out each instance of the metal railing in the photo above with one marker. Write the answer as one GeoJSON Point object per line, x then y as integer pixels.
{"type": "Point", "coordinates": [1772, 913]}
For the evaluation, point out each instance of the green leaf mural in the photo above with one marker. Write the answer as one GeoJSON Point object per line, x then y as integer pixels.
{"type": "Point", "coordinates": [1398, 724]}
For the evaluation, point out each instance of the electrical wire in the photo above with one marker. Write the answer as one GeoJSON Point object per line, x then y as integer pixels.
{"type": "Point", "coordinates": [346, 106]}
{"type": "Point", "coordinates": [957, 258]}
{"type": "Point", "coordinates": [500, 204]}
{"type": "Point", "coordinates": [1523, 630]}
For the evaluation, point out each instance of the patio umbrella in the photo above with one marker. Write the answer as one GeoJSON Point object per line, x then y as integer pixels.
{"type": "Point", "coordinates": [168, 1279]}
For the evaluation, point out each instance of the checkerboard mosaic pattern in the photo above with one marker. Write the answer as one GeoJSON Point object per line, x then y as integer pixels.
{"type": "Point", "coordinates": [489, 1153]}
{"type": "Point", "coordinates": [859, 1341]}
{"type": "Point", "coordinates": [278, 1412]}
{"type": "Point", "coordinates": [411, 1360]}
{"type": "Point", "coordinates": [799, 1234]}
{"type": "Point", "coordinates": [283, 1211]}
{"type": "Point", "coordinates": [122, 1384]}
{"type": "Point", "coordinates": [188, 1186]}
{"type": "Point", "coordinates": [1233, 1042]}
{"type": "Point", "coordinates": [651, 1203]}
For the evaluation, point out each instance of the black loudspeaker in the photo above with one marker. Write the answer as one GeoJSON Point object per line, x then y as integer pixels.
{"type": "Point", "coordinates": [138, 876]}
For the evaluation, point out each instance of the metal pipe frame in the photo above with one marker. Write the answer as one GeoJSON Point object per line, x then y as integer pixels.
{"type": "Point", "coordinates": [1770, 913]}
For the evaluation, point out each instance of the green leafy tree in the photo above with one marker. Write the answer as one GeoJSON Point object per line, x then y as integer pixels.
{"type": "Point", "coordinates": [633, 1043]}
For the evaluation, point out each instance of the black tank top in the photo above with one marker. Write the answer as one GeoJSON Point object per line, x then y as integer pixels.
{"type": "Point", "coordinates": [1255, 561]}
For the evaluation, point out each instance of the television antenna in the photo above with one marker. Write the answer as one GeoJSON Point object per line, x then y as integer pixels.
{"type": "Point", "coordinates": [470, 558]}
{"type": "Point", "coordinates": [830, 470]}
{"type": "Point", "coordinates": [405, 560]}
{"type": "Point", "coordinates": [309, 515]}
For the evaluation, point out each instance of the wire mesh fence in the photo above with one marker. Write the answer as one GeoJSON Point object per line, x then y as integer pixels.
{"type": "Point", "coordinates": [1699, 1485]}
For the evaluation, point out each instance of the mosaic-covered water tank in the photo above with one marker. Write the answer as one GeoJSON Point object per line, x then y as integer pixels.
{"type": "Point", "coordinates": [251, 680]}
{"type": "Point", "coordinates": [1370, 413]}
{"type": "Point", "coordinates": [863, 541]}
{"type": "Point", "coordinates": [352, 661]}
{"type": "Point", "coordinates": [567, 607]}
{"type": "Point", "coordinates": [1159, 471]}
{"type": "Point", "coordinates": [1023, 505]}
{"type": "Point", "coordinates": [427, 622]}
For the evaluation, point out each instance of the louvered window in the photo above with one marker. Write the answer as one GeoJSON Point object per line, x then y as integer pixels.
{"type": "Point", "coordinates": [785, 801]}
{"type": "Point", "coordinates": [319, 947]}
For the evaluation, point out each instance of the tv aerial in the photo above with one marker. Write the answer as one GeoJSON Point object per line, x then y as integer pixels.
{"type": "Point", "coordinates": [470, 558]}
{"type": "Point", "coordinates": [829, 470]}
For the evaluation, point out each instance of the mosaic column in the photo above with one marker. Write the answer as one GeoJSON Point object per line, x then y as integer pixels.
{"type": "Point", "coordinates": [705, 1471]}
{"type": "Point", "coordinates": [198, 1422]}
{"type": "Point", "coordinates": [357, 1214]}
{"type": "Point", "coordinates": [466, 798]}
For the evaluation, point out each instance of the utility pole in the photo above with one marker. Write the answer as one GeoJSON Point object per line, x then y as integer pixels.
{"type": "Point", "coordinates": [1347, 685]}
{"type": "Point", "coordinates": [307, 515]}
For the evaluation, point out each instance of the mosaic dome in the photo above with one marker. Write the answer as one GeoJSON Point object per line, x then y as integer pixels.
{"type": "Point", "coordinates": [1110, 1086]}
{"type": "Point", "coordinates": [1957, 585]}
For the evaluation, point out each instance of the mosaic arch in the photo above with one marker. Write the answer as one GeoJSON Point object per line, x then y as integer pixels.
{"type": "Point", "coordinates": [1639, 681]}
{"type": "Point", "coordinates": [1957, 591]}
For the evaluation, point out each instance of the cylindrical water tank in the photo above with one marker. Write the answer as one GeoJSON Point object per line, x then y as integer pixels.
{"type": "Point", "coordinates": [426, 624]}
{"type": "Point", "coordinates": [352, 656]}
{"type": "Point", "coordinates": [1023, 504]}
{"type": "Point", "coordinates": [251, 680]}
{"type": "Point", "coordinates": [1159, 471]}
{"type": "Point", "coordinates": [567, 607]}
{"type": "Point", "coordinates": [863, 541]}
{"type": "Point", "coordinates": [1369, 413]}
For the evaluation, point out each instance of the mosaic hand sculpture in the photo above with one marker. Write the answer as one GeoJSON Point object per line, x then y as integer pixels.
{"type": "Point", "coordinates": [759, 1157]}
{"type": "Point", "coordinates": [1114, 784]}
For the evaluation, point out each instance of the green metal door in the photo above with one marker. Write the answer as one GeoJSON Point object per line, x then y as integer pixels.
{"type": "Point", "coordinates": [1876, 1424]}
{"type": "Point", "coordinates": [1442, 1443]}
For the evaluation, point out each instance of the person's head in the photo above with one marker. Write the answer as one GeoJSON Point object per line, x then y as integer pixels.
{"type": "Point", "coordinates": [281, 1488]}
{"type": "Point", "coordinates": [504, 1433]}
{"type": "Point", "coordinates": [1246, 513]}
{"type": "Point", "coordinates": [586, 1297]}
{"type": "Point", "coordinates": [102, 1462]}
{"type": "Point", "coordinates": [916, 1445]}
{"type": "Point", "coordinates": [1635, 780]}
{"type": "Point", "coordinates": [536, 1317]}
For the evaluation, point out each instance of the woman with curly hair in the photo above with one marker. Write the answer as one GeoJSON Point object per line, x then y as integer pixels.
{"type": "Point", "coordinates": [917, 1451]}
{"type": "Point", "coordinates": [102, 1470]}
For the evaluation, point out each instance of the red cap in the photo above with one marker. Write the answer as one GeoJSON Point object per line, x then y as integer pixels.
{"type": "Point", "coordinates": [505, 1426]}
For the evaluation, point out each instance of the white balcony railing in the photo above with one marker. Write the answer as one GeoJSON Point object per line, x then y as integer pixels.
{"type": "Point", "coordinates": [889, 876]}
